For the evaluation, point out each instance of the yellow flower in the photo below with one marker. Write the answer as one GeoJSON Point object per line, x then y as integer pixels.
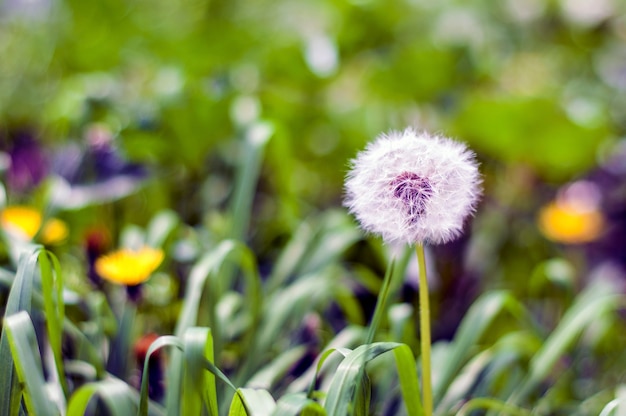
{"type": "Point", "coordinates": [25, 222]}
{"type": "Point", "coordinates": [570, 223]}
{"type": "Point", "coordinates": [129, 267]}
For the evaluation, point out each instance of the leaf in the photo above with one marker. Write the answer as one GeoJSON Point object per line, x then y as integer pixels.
{"type": "Point", "coordinates": [268, 375]}
{"type": "Point", "coordinates": [160, 227]}
{"type": "Point", "coordinates": [535, 131]}
{"type": "Point", "coordinates": [256, 137]}
{"type": "Point", "coordinates": [492, 404]}
{"type": "Point", "coordinates": [316, 243]}
{"type": "Point", "coordinates": [25, 349]}
{"type": "Point", "coordinates": [475, 322]}
{"type": "Point", "coordinates": [199, 384]}
{"type": "Point", "coordinates": [589, 306]}
{"type": "Point", "coordinates": [156, 345]}
{"type": "Point", "coordinates": [349, 375]}
{"type": "Point", "coordinates": [116, 396]}
{"type": "Point", "coordinates": [208, 269]}
{"type": "Point", "coordinates": [20, 299]}
{"type": "Point", "coordinates": [298, 404]}
{"type": "Point", "coordinates": [252, 402]}
{"type": "Point", "coordinates": [54, 307]}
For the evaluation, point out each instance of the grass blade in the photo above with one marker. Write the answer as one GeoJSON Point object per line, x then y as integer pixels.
{"type": "Point", "coordinates": [54, 307]}
{"type": "Point", "coordinates": [208, 270]}
{"type": "Point", "coordinates": [298, 404]}
{"type": "Point", "coordinates": [256, 137]}
{"type": "Point", "coordinates": [156, 345]}
{"type": "Point", "coordinates": [492, 404]}
{"type": "Point", "coordinates": [20, 298]}
{"type": "Point", "coordinates": [314, 245]}
{"type": "Point", "coordinates": [350, 373]}
{"type": "Point", "coordinates": [476, 321]}
{"type": "Point", "coordinates": [25, 349]}
{"type": "Point", "coordinates": [589, 307]}
{"type": "Point", "coordinates": [160, 227]}
{"type": "Point", "coordinates": [199, 385]}
{"type": "Point", "coordinates": [252, 402]}
{"type": "Point", "coordinates": [117, 397]}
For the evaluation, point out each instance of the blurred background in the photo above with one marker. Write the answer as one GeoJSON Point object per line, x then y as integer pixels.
{"type": "Point", "coordinates": [138, 106]}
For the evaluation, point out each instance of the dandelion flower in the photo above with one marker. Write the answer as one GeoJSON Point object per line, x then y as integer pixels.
{"type": "Point", "coordinates": [574, 217]}
{"type": "Point", "coordinates": [129, 267]}
{"type": "Point", "coordinates": [413, 187]}
{"type": "Point", "coordinates": [25, 222]}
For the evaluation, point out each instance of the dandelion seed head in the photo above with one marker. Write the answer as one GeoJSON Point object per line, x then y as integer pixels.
{"type": "Point", "coordinates": [413, 187]}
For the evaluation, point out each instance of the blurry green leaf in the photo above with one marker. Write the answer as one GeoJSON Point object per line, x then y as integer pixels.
{"type": "Point", "coordinates": [349, 375]}
{"type": "Point", "coordinates": [252, 402]}
{"type": "Point", "coordinates": [316, 243]}
{"type": "Point", "coordinates": [288, 306]}
{"type": "Point", "coordinates": [298, 404]}
{"type": "Point", "coordinates": [160, 227]}
{"type": "Point", "coordinates": [535, 131]}
{"type": "Point", "coordinates": [254, 142]}
{"type": "Point", "coordinates": [475, 322]}
{"type": "Point", "coordinates": [491, 404]}
{"type": "Point", "coordinates": [420, 72]}
{"type": "Point", "coordinates": [346, 338]}
{"type": "Point", "coordinates": [25, 349]}
{"type": "Point", "coordinates": [618, 405]}
{"type": "Point", "coordinates": [589, 306]}
{"type": "Point", "coordinates": [154, 347]}
{"type": "Point", "coordinates": [199, 390]}
{"type": "Point", "coordinates": [20, 298]}
{"type": "Point", "coordinates": [117, 397]}
{"type": "Point", "coordinates": [275, 370]}
{"type": "Point", "coordinates": [52, 290]}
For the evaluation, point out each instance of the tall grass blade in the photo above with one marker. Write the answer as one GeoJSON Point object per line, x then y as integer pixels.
{"type": "Point", "coordinates": [25, 349]}
{"type": "Point", "coordinates": [476, 321]}
{"type": "Point", "coordinates": [205, 273]}
{"type": "Point", "coordinates": [288, 306]}
{"type": "Point", "coordinates": [254, 141]}
{"type": "Point", "coordinates": [199, 391]}
{"type": "Point", "coordinates": [20, 299]}
{"type": "Point", "coordinates": [347, 338]}
{"type": "Point", "coordinates": [343, 387]}
{"type": "Point", "coordinates": [590, 305]}
{"type": "Point", "coordinates": [318, 242]}
{"type": "Point", "coordinates": [156, 345]}
{"type": "Point", "coordinates": [52, 290]}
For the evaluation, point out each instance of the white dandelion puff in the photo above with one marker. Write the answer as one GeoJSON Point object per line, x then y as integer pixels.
{"type": "Point", "coordinates": [413, 187]}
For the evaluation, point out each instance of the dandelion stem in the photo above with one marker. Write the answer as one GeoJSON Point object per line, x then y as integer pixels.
{"type": "Point", "coordinates": [427, 395]}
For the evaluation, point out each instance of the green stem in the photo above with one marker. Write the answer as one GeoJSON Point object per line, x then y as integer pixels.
{"type": "Point", "coordinates": [424, 332]}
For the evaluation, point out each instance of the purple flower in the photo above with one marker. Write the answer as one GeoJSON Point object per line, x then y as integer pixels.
{"type": "Point", "coordinates": [29, 165]}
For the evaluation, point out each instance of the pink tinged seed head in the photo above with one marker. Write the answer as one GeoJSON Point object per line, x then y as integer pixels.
{"type": "Point", "coordinates": [414, 191]}
{"type": "Point", "coordinates": [413, 187]}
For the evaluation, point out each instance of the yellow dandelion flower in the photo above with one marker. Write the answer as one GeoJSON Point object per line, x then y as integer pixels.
{"type": "Point", "coordinates": [129, 267]}
{"type": "Point", "coordinates": [25, 222]}
{"type": "Point", "coordinates": [569, 223]}
{"type": "Point", "coordinates": [54, 231]}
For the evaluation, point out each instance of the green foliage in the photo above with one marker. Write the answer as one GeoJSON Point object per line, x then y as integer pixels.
{"type": "Point", "coordinates": [242, 117]}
